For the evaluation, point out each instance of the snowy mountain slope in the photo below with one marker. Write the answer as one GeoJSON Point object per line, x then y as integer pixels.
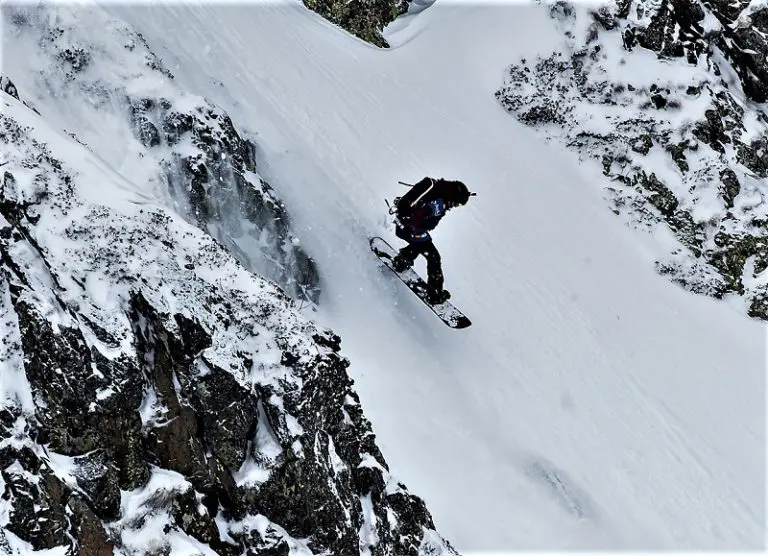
{"type": "Point", "coordinates": [95, 78]}
{"type": "Point", "coordinates": [681, 141]}
{"type": "Point", "coordinates": [157, 398]}
{"type": "Point", "coordinates": [592, 403]}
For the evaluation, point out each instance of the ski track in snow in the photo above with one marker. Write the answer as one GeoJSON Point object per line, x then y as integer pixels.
{"type": "Point", "coordinates": [592, 404]}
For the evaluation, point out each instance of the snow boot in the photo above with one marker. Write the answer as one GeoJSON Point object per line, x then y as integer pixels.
{"type": "Point", "coordinates": [437, 297]}
{"type": "Point", "coordinates": [399, 264]}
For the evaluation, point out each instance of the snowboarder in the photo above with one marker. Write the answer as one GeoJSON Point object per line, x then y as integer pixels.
{"type": "Point", "coordinates": [417, 213]}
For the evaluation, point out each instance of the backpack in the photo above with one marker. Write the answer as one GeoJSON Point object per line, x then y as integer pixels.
{"type": "Point", "coordinates": [424, 193]}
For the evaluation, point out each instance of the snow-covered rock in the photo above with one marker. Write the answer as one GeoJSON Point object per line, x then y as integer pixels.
{"type": "Point", "coordinates": [119, 99]}
{"type": "Point", "coordinates": [662, 96]}
{"type": "Point", "coordinates": [363, 18]}
{"type": "Point", "coordinates": [157, 397]}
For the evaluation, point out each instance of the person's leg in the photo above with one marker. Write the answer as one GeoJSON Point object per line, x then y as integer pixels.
{"type": "Point", "coordinates": [434, 266]}
{"type": "Point", "coordinates": [406, 257]}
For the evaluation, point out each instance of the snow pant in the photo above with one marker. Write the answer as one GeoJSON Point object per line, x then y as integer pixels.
{"type": "Point", "coordinates": [430, 253]}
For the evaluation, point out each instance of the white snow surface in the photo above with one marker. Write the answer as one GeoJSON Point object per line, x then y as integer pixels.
{"type": "Point", "coordinates": [592, 404]}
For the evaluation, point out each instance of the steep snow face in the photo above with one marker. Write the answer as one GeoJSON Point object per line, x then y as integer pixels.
{"type": "Point", "coordinates": [592, 403]}
{"type": "Point", "coordinates": [94, 77]}
{"type": "Point", "coordinates": [144, 372]}
{"type": "Point", "coordinates": [682, 145]}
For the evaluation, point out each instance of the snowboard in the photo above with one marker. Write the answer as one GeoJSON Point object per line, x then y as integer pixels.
{"type": "Point", "coordinates": [449, 314]}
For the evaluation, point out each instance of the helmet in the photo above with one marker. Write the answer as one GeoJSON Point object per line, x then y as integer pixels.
{"type": "Point", "coordinates": [458, 193]}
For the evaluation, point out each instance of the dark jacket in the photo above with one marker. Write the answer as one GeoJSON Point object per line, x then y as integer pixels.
{"type": "Point", "coordinates": [421, 209]}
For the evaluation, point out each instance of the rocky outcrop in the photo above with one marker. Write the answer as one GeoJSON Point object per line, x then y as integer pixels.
{"type": "Point", "coordinates": [218, 187]}
{"type": "Point", "coordinates": [363, 18]}
{"type": "Point", "coordinates": [174, 143]}
{"type": "Point", "coordinates": [691, 28]}
{"type": "Point", "coordinates": [158, 397]}
{"type": "Point", "coordinates": [679, 143]}
{"type": "Point", "coordinates": [7, 86]}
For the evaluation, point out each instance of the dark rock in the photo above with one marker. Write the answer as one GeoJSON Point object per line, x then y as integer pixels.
{"type": "Point", "coordinates": [677, 152]}
{"type": "Point", "coordinates": [186, 513]}
{"type": "Point", "coordinates": [268, 543]}
{"type": "Point", "coordinates": [661, 197]}
{"type": "Point", "coordinates": [754, 156]}
{"type": "Point", "coordinates": [688, 232]}
{"type": "Point", "coordinates": [92, 539]}
{"type": "Point", "coordinates": [562, 11]}
{"type": "Point", "coordinates": [734, 250]}
{"type": "Point", "coordinates": [60, 367]}
{"type": "Point", "coordinates": [368, 480]}
{"type": "Point", "coordinates": [605, 18]}
{"type": "Point", "coordinates": [675, 30]}
{"type": "Point", "coordinates": [759, 306]}
{"type": "Point", "coordinates": [146, 131]}
{"type": "Point", "coordinates": [97, 477]}
{"type": "Point", "coordinates": [77, 58]}
{"type": "Point", "coordinates": [659, 101]}
{"type": "Point", "coordinates": [746, 47]}
{"type": "Point", "coordinates": [363, 18]}
{"type": "Point", "coordinates": [543, 113]}
{"type": "Point", "coordinates": [37, 500]}
{"type": "Point", "coordinates": [227, 413]}
{"type": "Point", "coordinates": [712, 131]}
{"type": "Point", "coordinates": [413, 510]}
{"type": "Point", "coordinates": [730, 186]}
{"type": "Point", "coordinates": [642, 144]}
{"type": "Point", "coordinates": [297, 493]}
{"type": "Point", "coordinates": [7, 86]}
